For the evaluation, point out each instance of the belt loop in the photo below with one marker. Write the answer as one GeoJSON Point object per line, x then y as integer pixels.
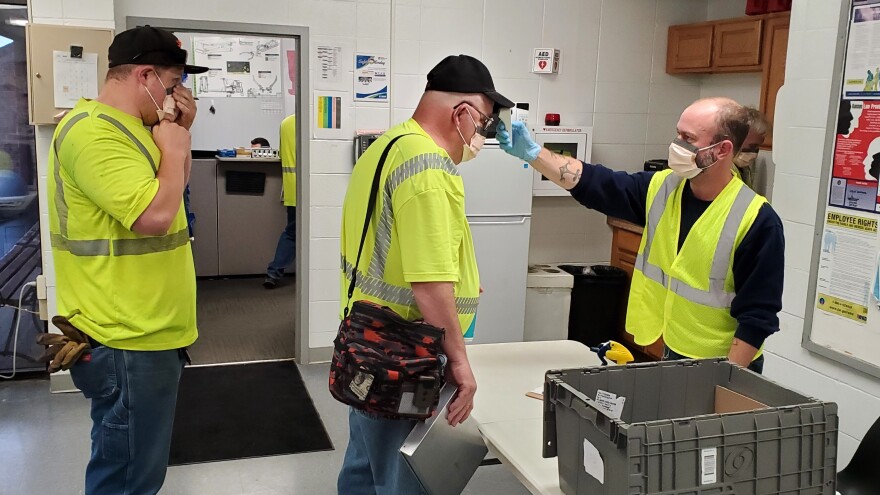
{"type": "Point", "coordinates": [184, 354]}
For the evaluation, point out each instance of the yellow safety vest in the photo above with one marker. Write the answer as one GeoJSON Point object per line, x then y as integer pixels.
{"type": "Point", "coordinates": [287, 149]}
{"type": "Point", "coordinates": [685, 295]}
{"type": "Point", "coordinates": [125, 290]}
{"type": "Point", "coordinates": [417, 172]}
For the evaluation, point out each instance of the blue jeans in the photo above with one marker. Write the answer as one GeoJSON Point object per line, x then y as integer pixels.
{"type": "Point", "coordinates": [373, 463]}
{"type": "Point", "coordinates": [133, 395]}
{"type": "Point", "coordinates": [285, 253]}
{"type": "Point", "coordinates": [669, 355]}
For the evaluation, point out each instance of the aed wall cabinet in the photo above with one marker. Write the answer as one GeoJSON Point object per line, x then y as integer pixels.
{"type": "Point", "coordinates": [575, 142]}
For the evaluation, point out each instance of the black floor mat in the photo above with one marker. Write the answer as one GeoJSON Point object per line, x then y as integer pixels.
{"type": "Point", "coordinates": [244, 410]}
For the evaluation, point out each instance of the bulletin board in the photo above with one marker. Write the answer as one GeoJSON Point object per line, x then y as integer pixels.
{"type": "Point", "coordinates": [842, 318]}
{"type": "Point", "coordinates": [43, 43]}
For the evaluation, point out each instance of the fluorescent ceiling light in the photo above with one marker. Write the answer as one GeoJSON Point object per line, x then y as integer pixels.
{"type": "Point", "coordinates": [17, 22]}
{"type": "Point", "coordinates": [4, 41]}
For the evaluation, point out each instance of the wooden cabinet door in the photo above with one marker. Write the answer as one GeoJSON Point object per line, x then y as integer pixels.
{"type": "Point", "coordinates": [737, 44]}
{"type": "Point", "coordinates": [775, 48]}
{"type": "Point", "coordinates": [689, 48]}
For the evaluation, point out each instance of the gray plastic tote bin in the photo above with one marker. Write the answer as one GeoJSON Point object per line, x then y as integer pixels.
{"type": "Point", "coordinates": [687, 428]}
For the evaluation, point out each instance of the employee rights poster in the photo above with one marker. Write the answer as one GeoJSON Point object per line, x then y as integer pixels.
{"type": "Point", "coordinates": [857, 157]}
{"type": "Point", "coordinates": [846, 265]}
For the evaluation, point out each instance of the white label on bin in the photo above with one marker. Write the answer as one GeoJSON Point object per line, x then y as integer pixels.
{"type": "Point", "coordinates": [610, 403]}
{"type": "Point", "coordinates": [593, 464]}
{"type": "Point", "coordinates": [709, 466]}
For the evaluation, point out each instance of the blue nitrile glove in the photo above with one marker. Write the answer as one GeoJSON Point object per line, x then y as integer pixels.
{"type": "Point", "coordinates": [521, 145]}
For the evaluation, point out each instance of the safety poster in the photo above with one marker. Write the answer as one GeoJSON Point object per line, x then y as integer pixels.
{"type": "Point", "coordinates": [239, 66]}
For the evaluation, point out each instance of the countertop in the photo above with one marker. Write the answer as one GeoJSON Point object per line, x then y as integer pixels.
{"type": "Point", "coordinates": [624, 225]}
{"type": "Point", "coordinates": [246, 159]}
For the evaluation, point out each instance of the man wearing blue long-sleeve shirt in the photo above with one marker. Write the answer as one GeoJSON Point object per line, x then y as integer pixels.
{"type": "Point", "coordinates": [708, 276]}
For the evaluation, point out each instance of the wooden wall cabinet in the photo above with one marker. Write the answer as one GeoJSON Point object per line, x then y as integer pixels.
{"type": "Point", "coordinates": [732, 45]}
{"type": "Point", "coordinates": [775, 49]}
{"type": "Point", "coordinates": [690, 48]}
{"type": "Point", "coordinates": [738, 45]}
{"type": "Point", "coordinates": [625, 240]}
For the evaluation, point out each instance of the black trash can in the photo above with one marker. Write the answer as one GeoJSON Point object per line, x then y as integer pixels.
{"type": "Point", "coordinates": [597, 301]}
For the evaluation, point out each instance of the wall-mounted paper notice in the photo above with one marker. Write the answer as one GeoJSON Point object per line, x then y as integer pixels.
{"type": "Point", "coordinates": [75, 78]}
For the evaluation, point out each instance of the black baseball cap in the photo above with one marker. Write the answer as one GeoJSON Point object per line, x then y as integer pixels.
{"type": "Point", "coordinates": [465, 74]}
{"type": "Point", "coordinates": [147, 45]}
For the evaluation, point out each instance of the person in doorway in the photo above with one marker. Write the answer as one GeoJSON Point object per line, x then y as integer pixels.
{"type": "Point", "coordinates": [418, 254]}
{"type": "Point", "coordinates": [746, 160]}
{"type": "Point", "coordinates": [260, 142]}
{"type": "Point", "coordinates": [123, 259]}
{"type": "Point", "coordinates": [709, 272]}
{"type": "Point", "coordinates": [285, 252]}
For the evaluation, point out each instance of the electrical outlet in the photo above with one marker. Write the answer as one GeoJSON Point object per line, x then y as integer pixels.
{"type": "Point", "coordinates": [42, 297]}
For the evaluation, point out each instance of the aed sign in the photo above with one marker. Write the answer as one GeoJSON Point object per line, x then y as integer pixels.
{"type": "Point", "coordinates": [546, 61]}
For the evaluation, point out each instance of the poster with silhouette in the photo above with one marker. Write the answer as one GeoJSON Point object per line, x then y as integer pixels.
{"type": "Point", "coordinates": [856, 168]}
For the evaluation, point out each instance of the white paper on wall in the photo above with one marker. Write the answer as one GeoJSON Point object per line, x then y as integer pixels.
{"type": "Point", "coordinates": [239, 66]}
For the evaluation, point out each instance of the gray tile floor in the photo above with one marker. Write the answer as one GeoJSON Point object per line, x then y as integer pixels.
{"type": "Point", "coordinates": [44, 449]}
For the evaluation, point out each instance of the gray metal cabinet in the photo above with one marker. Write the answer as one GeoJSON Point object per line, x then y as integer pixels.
{"type": "Point", "coordinates": [239, 215]}
{"type": "Point", "coordinates": [203, 203]}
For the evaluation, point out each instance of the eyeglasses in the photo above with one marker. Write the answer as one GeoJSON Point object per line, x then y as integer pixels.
{"type": "Point", "coordinates": [486, 121]}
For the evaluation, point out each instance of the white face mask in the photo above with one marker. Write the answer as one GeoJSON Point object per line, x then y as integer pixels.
{"type": "Point", "coordinates": [683, 159]}
{"type": "Point", "coordinates": [745, 159]}
{"type": "Point", "coordinates": [169, 107]}
{"type": "Point", "coordinates": [471, 149]}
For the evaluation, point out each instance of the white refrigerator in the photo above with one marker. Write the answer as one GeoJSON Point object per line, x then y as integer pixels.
{"type": "Point", "coordinates": [498, 204]}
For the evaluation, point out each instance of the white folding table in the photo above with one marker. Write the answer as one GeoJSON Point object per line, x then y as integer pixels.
{"type": "Point", "coordinates": [512, 423]}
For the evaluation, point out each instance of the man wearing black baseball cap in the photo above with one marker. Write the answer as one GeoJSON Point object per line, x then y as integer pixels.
{"type": "Point", "coordinates": [123, 260]}
{"type": "Point", "coordinates": [418, 258]}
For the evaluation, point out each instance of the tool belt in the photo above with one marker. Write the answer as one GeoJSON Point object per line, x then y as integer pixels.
{"type": "Point", "coordinates": [386, 365]}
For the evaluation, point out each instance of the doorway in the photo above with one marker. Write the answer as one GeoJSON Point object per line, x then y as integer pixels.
{"type": "Point", "coordinates": [258, 78]}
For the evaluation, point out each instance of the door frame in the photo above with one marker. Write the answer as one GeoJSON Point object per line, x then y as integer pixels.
{"type": "Point", "coordinates": [303, 131]}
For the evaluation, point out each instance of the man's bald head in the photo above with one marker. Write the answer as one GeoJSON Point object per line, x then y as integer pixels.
{"type": "Point", "coordinates": [723, 117]}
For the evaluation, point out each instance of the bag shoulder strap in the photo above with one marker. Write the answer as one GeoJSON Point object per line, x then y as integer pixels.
{"type": "Point", "coordinates": [374, 194]}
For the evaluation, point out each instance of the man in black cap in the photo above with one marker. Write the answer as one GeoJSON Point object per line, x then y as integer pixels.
{"type": "Point", "coordinates": [123, 261]}
{"type": "Point", "coordinates": [418, 255]}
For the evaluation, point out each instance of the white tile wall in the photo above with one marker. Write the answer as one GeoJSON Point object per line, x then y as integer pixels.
{"type": "Point", "coordinates": [794, 197]}
{"type": "Point", "coordinates": [324, 285]}
{"type": "Point", "coordinates": [798, 244]}
{"type": "Point", "coordinates": [373, 20]}
{"type": "Point", "coordinates": [619, 128]}
{"type": "Point", "coordinates": [625, 157]}
{"type": "Point", "coordinates": [326, 221]}
{"type": "Point", "coordinates": [723, 9]}
{"type": "Point", "coordinates": [800, 159]}
{"type": "Point", "coordinates": [744, 88]}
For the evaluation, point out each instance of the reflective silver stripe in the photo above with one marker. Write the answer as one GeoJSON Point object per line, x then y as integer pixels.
{"type": "Point", "coordinates": [670, 183]}
{"type": "Point", "coordinates": [128, 133]}
{"type": "Point", "coordinates": [716, 296]}
{"type": "Point", "coordinates": [288, 170]}
{"type": "Point", "coordinates": [407, 170]}
{"type": "Point", "coordinates": [148, 245]}
{"type": "Point", "coordinates": [60, 201]}
{"type": "Point", "coordinates": [94, 247]}
{"type": "Point", "coordinates": [121, 247]}
{"type": "Point", "coordinates": [381, 289]}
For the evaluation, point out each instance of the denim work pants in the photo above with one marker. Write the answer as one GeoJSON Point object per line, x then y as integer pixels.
{"type": "Point", "coordinates": [133, 394]}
